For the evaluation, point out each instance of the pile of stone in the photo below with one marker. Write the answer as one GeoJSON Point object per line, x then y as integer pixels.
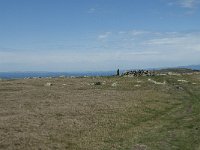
{"type": "Point", "coordinates": [137, 73]}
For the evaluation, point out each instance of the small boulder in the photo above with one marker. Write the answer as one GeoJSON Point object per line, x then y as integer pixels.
{"type": "Point", "coordinates": [97, 83]}
{"type": "Point", "coordinates": [179, 88]}
{"type": "Point", "coordinates": [48, 84]}
{"type": "Point", "coordinates": [104, 82]}
{"type": "Point", "coordinates": [114, 84]}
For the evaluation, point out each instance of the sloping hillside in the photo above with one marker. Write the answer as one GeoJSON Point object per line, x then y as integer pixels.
{"type": "Point", "coordinates": [95, 113]}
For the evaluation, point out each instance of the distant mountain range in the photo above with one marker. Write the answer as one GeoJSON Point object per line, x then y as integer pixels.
{"type": "Point", "coordinates": [194, 67]}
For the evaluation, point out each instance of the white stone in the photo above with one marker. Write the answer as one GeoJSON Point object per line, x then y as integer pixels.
{"type": "Point", "coordinates": [48, 84]}
{"type": "Point", "coordinates": [114, 84]}
{"type": "Point", "coordinates": [184, 81]}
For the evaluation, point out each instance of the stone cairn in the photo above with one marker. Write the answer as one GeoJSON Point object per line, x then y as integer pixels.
{"type": "Point", "coordinates": [138, 73]}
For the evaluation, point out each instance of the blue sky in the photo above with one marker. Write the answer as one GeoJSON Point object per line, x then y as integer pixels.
{"type": "Point", "coordinates": [97, 35]}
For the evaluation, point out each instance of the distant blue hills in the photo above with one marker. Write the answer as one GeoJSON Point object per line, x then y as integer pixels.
{"type": "Point", "coordinates": [20, 75]}
{"type": "Point", "coordinates": [193, 67]}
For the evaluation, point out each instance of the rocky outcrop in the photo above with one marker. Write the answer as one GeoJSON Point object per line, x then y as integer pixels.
{"type": "Point", "coordinates": [139, 73]}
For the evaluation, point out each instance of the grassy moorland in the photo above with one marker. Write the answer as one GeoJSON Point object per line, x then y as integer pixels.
{"type": "Point", "coordinates": [134, 113]}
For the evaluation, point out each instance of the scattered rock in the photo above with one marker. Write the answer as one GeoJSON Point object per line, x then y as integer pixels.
{"type": "Point", "coordinates": [48, 84]}
{"type": "Point", "coordinates": [184, 81]}
{"type": "Point", "coordinates": [173, 74]}
{"type": "Point", "coordinates": [97, 83]}
{"type": "Point", "coordinates": [179, 88]}
{"type": "Point", "coordinates": [138, 73]}
{"type": "Point", "coordinates": [137, 85]}
{"type": "Point", "coordinates": [114, 84]}
{"type": "Point", "coordinates": [104, 82]}
{"type": "Point", "coordinates": [138, 81]}
{"type": "Point", "coordinates": [155, 82]}
{"type": "Point", "coordinates": [194, 83]}
{"type": "Point", "coordinates": [64, 84]}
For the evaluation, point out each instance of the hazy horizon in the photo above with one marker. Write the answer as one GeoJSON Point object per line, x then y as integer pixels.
{"type": "Point", "coordinates": [98, 35]}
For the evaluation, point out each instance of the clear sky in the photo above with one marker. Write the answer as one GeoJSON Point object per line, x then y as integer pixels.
{"type": "Point", "coordinates": [97, 35]}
